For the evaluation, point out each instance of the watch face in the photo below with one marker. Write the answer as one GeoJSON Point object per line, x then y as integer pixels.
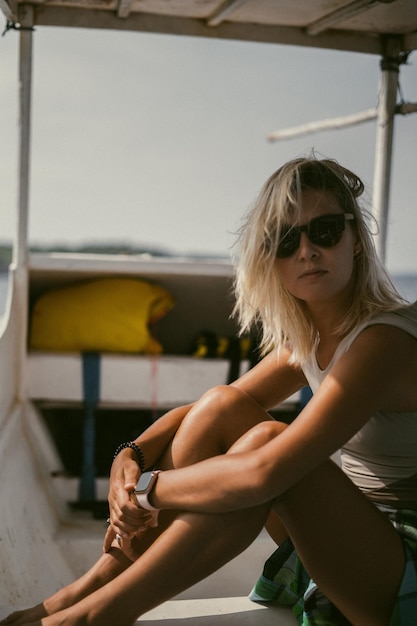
{"type": "Point", "coordinates": [144, 482]}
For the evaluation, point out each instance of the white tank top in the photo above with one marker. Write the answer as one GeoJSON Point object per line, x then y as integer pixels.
{"type": "Point", "coordinates": [381, 459]}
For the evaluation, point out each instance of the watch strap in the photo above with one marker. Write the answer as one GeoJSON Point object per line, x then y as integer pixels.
{"type": "Point", "coordinates": [143, 497]}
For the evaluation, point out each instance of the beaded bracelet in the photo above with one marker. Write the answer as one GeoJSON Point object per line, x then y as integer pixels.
{"type": "Point", "coordinates": [139, 454]}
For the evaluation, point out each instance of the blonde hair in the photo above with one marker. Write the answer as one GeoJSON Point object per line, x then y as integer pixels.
{"type": "Point", "coordinates": [261, 298]}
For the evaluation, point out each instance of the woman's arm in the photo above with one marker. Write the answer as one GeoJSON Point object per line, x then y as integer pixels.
{"type": "Point", "coordinates": [272, 380]}
{"type": "Point", "coordinates": [373, 375]}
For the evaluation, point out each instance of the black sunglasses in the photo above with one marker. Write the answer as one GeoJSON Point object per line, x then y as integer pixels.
{"type": "Point", "coordinates": [324, 231]}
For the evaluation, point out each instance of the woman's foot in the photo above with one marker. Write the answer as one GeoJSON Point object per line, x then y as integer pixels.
{"type": "Point", "coordinates": [34, 614]}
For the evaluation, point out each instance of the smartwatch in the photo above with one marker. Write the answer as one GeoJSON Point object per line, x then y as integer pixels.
{"type": "Point", "coordinates": [143, 488]}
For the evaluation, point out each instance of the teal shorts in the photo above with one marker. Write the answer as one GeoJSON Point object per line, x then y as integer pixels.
{"type": "Point", "coordinates": [405, 610]}
{"type": "Point", "coordinates": [285, 581]}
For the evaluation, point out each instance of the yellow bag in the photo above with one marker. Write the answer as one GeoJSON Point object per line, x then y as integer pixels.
{"type": "Point", "coordinates": [103, 315]}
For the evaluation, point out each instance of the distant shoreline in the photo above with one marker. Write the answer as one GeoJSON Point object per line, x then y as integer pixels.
{"type": "Point", "coordinates": [111, 247]}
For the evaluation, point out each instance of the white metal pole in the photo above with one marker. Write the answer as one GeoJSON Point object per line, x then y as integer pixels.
{"type": "Point", "coordinates": [20, 248]}
{"type": "Point", "coordinates": [384, 140]}
{"type": "Point", "coordinates": [25, 87]}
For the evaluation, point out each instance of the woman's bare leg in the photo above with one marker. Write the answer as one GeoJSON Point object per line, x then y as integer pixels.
{"type": "Point", "coordinates": [276, 528]}
{"type": "Point", "coordinates": [213, 425]}
{"type": "Point", "coordinates": [191, 548]}
{"type": "Point", "coordinates": [349, 548]}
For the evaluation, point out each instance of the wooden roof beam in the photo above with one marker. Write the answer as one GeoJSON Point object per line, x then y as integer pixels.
{"type": "Point", "coordinates": [9, 8]}
{"type": "Point", "coordinates": [67, 17]}
{"type": "Point", "coordinates": [223, 10]}
{"type": "Point", "coordinates": [343, 13]}
{"type": "Point", "coordinates": [123, 8]}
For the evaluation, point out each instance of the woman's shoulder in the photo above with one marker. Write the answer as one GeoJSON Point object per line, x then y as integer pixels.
{"type": "Point", "coordinates": [404, 317]}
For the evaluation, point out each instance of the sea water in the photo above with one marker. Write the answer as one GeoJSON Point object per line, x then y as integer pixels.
{"type": "Point", "coordinates": [407, 286]}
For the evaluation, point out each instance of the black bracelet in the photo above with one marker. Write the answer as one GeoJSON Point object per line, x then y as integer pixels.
{"type": "Point", "coordinates": [140, 458]}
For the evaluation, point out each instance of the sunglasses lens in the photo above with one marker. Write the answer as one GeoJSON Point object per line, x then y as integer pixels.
{"type": "Point", "coordinates": [289, 243]}
{"type": "Point", "coordinates": [324, 231]}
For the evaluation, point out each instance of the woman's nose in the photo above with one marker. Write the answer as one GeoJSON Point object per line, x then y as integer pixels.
{"type": "Point", "coordinates": [307, 249]}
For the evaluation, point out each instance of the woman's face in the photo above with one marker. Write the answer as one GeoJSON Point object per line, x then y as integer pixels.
{"type": "Point", "coordinates": [313, 273]}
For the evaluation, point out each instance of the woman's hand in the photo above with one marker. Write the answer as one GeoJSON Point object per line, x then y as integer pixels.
{"type": "Point", "coordinates": [128, 544]}
{"type": "Point", "coordinates": [126, 518]}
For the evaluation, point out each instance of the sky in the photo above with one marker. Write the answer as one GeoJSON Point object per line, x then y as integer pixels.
{"type": "Point", "coordinates": [161, 140]}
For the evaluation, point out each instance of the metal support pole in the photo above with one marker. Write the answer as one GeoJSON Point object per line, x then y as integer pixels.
{"type": "Point", "coordinates": [20, 248]}
{"type": "Point", "coordinates": [20, 254]}
{"type": "Point", "coordinates": [390, 63]}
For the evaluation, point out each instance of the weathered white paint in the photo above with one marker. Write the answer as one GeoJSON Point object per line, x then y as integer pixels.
{"type": "Point", "coordinates": [8, 365]}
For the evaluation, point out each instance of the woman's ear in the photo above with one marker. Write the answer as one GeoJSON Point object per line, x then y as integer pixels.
{"type": "Point", "coordinates": [357, 245]}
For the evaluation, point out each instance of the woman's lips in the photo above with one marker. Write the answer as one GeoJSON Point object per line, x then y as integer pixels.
{"type": "Point", "coordinates": [311, 274]}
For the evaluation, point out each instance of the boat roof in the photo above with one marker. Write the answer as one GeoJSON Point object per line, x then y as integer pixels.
{"type": "Point", "coordinates": [349, 25]}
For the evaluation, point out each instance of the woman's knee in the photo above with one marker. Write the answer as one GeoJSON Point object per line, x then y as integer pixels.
{"type": "Point", "coordinates": [212, 406]}
{"type": "Point", "coordinates": [211, 426]}
{"type": "Point", "coordinates": [224, 401]}
{"type": "Point", "coordinates": [258, 436]}
{"type": "Point", "coordinates": [223, 396]}
{"type": "Point", "coordinates": [223, 414]}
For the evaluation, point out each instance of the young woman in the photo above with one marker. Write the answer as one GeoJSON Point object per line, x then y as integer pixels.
{"type": "Point", "coordinates": [308, 273]}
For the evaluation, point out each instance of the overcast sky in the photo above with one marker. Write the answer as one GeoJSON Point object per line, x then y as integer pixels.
{"type": "Point", "coordinates": [161, 140]}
